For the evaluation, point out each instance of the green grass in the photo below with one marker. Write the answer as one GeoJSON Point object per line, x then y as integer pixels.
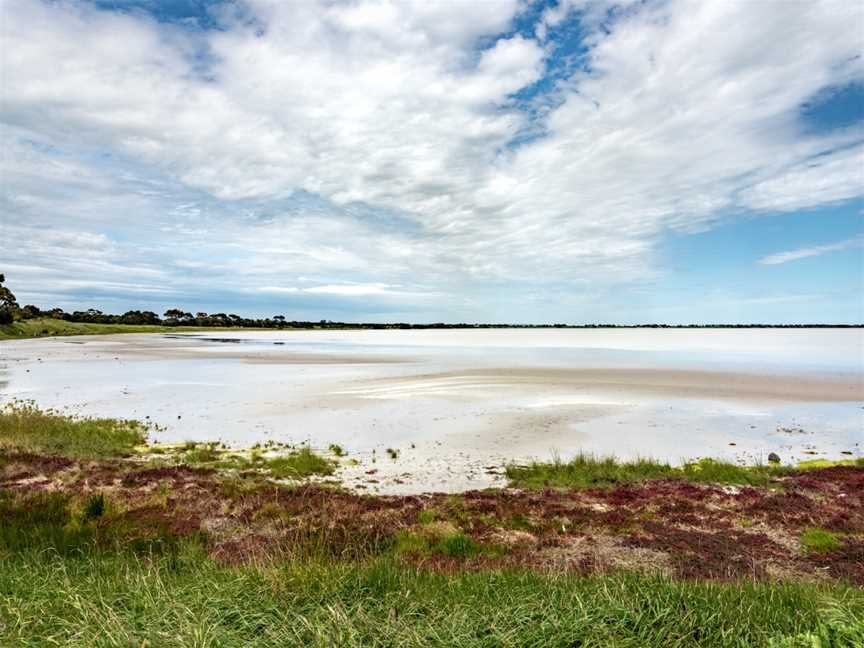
{"type": "Point", "coordinates": [184, 599]}
{"type": "Point", "coordinates": [587, 471]}
{"type": "Point", "coordinates": [296, 464]}
{"type": "Point", "coordinates": [26, 428]}
{"type": "Point", "coordinates": [61, 583]}
{"type": "Point", "coordinates": [200, 453]}
{"type": "Point", "coordinates": [49, 327]}
{"type": "Point", "coordinates": [299, 463]}
{"type": "Point", "coordinates": [815, 540]}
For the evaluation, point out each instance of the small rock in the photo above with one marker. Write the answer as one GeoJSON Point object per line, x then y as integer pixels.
{"type": "Point", "coordinates": [773, 458]}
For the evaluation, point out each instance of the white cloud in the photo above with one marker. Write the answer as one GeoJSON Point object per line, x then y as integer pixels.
{"type": "Point", "coordinates": [825, 179]}
{"type": "Point", "coordinates": [350, 290]}
{"type": "Point", "coordinates": [816, 250]}
{"type": "Point", "coordinates": [685, 110]}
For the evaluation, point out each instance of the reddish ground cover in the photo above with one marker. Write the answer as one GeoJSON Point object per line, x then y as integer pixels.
{"type": "Point", "coordinates": [685, 529]}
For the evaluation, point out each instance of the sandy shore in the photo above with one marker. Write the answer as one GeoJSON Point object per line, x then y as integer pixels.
{"type": "Point", "coordinates": [456, 408]}
{"type": "Point", "coordinates": [623, 382]}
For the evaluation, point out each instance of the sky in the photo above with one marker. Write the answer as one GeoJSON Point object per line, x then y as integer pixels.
{"type": "Point", "coordinates": [497, 161]}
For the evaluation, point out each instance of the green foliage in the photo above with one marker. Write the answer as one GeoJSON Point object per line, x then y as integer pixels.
{"type": "Point", "coordinates": [299, 463]}
{"type": "Point", "coordinates": [46, 326]}
{"type": "Point", "coordinates": [439, 537]}
{"type": "Point", "coordinates": [52, 327]}
{"type": "Point", "coordinates": [815, 540]}
{"type": "Point", "coordinates": [202, 453]}
{"type": "Point", "coordinates": [723, 472]}
{"type": "Point", "coordinates": [40, 520]}
{"type": "Point", "coordinates": [26, 428]}
{"type": "Point", "coordinates": [94, 507]}
{"type": "Point", "coordinates": [427, 515]}
{"type": "Point", "coordinates": [337, 450]}
{"type": "Point", "coordinates": [296, 464]}
{"type": "Point", "coordinates": [9, 310]}
{"type": "Point", "coordinates": [587, 471]}
{"type": "Point", "coordinates": [457, 545]}
{"type": "Point", "coordinates": [392, 453]}
{"type": "Point", "coordinates": [184, 599]}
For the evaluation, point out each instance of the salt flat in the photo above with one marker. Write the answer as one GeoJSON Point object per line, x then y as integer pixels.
{"type": "Point", "coordinates": [457, 404]}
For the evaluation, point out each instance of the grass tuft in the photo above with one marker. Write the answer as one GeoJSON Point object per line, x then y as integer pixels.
{"type": "Point", "coordinates": [817, 541]}
{"type": "Point", "coordinates": [94, 507]}
{"type": "Point", "coordinates": [24, 427]}
{"type": "Point", "coordinates": [298, 464]}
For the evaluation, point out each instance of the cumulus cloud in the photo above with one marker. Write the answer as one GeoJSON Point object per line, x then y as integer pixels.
{"type": "Point", "coordinates": [188, 149]}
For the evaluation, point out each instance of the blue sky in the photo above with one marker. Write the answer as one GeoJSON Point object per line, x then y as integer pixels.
{"type": "Point", "coordinates": [570, 161]}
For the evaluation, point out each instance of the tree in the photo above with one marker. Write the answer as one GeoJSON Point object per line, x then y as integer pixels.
{"type": "Point", "coordinates": [8, 305]}
{"type": "Point", "coordinates": [175, 317]}
{"type": "Point", "coordinates": [30, 312]}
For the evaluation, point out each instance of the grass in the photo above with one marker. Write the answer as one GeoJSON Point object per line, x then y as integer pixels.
{"type": "Point", "coordinates": [185, 599]}
{"type": "Point", "coordinates": [815, 540]}
{"type": "Point", "coordinates": [62, 583]}
{"type": "Point", "coordinates": [295, 464]}
{"type": "Point", "coordinates": [49, 327]}
{"type": "Point", "coordinates": [26, 428]}
{"type": "Point", "coordinates": [587, 471]}
{"type": "Point", "coordinates": [299, 463]}
{"type": "Point", "coordinates": [442, 538]}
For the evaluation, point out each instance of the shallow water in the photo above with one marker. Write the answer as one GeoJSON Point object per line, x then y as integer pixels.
{"type": "Point", "coordinates": [469, 400]}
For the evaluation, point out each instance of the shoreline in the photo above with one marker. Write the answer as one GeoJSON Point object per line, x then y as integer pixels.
{"type": "Point", "coordinates": [42, 327]}
{"type": "Point", "coordinates": [448, 415]}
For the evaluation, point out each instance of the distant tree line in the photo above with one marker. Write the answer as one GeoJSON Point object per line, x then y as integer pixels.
{"type": "Point", "coordinates": [11, 311]}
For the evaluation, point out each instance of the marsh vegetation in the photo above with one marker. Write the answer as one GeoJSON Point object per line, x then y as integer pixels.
{"type": "Point", "coordinates": [108, 541]}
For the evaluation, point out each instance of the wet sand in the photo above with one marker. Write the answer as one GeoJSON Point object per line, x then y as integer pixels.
{"type": "Point", "coordinates": [669, 383]}
{"type": "Point", "coordinates": [457, 405]}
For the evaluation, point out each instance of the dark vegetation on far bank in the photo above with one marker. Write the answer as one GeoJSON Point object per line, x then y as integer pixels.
{"type": "Point", "coordinates": [55, 321]}
{"type": "Point", "coordinates": [106, 542]}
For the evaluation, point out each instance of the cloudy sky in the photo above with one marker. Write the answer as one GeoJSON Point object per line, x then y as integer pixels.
{"type": "Point", "coordinates": [506, 160]}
